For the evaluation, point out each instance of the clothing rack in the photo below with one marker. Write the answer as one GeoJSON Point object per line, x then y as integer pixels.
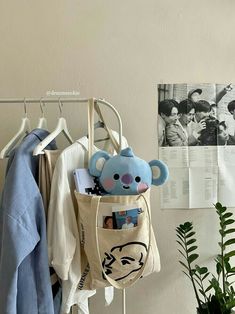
{"type": "Point", "coordinates": [60, 100]}
{"type": "Point", "coordinates": [46, 100]}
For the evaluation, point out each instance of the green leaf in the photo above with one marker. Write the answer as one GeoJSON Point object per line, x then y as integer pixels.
{"type": "Point", "coordinates": [198, 282]}
{"type": "Point", "coordinates": [197, 276]}
{"type": "Point", "coordinates": [229, 222]}
{"type": "Point", "coordinates": [188, 224]}
{"type": "Point", "coordinates": [230, 304]}
{"type": "Point", "coordinates": [184, 265]}
{"type": "Point", "coordinates": [180, 231]}
{"type": "Point", "coordinates": [198, 268]}
{"type": "Point", "coordinates": [202, 292]}
{"type": "Point", "coordinates": [192, 258]}
{"type": "Point", "coordinates": [218, 268]}
{"type": "Point", "coordinates": [201, 270]}
{"type": "Point", "coordinates": [186, 227]}
{"type": "Point", "coordinates": [192, 248]}
{"type": "Point", "coordinates": [191, 241]}
{"type": "Point", "coordinates": [180, 237]}
{"type": "Point", "coordinates": [186, 274]}
{"type": "Point", "coordinates": [183, 254]}
{"type": "Point", "coordinates": [204, 270]}
{"type": "Point", "coordinates": [206, 275]}
{"type": "Point", "coordinates": [226, 259]}
{"type": "Point", "coordinates": [215, 284]}
{"type": "Point", "coordinates": [190, 234]}
{"type": "Point", "coordinates": [227, 215]}
{"type": "Point", "coordinates": [230, 231]}
{"type": "Point", "coordinates": [208, 288]}
{"type": "Point", "coordinates": [227, 266]}
{"type": "Point", "coordinates": [229, 254]}
{"type": "Point", "coordinates": [181, 245]}
{"type": "Point", "coordinates": [229, 242]}
{"type": "Point", "coordinates": [218, 206]}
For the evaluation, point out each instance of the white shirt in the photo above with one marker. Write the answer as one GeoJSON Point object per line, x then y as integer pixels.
{"type": "Point", "coordinates": [62, 228]}
{"type": "Point", "coordinates": [161, 131]}
{"type": "Point", "coordinates": [128, 226]}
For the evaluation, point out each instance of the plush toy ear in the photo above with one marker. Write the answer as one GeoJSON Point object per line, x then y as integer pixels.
{"type": "Point", "coordinates": [160, 172]}
{"type": "Point", "coordinates": [97, 162]}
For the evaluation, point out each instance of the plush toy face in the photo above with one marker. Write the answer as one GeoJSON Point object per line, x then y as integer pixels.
{"type": "Point", "coordinates": [125, 173]}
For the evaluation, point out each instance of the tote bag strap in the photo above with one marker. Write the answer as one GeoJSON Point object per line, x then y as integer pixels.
{"type": "Point", "coordinates": [95, 202]}
{"type": "Point", "coordinates": [91, 109]}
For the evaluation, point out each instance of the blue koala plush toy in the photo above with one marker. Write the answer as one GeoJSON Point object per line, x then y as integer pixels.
{"type": "Point", "coordinates": [125, 173]}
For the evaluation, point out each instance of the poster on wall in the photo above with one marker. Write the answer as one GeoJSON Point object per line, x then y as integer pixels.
{"type": "Point", "coordinates": [196, 139]}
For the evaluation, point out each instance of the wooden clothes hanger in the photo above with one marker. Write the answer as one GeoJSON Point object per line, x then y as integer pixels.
{"type": "Point", "coordinates": [61, 127]}
{"type": "Point", "coordinates": [42, 122]}
{"type": "Point", "coordinates": [23, 130]}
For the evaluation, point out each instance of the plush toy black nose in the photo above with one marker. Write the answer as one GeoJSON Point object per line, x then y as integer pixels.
{"type": "Point", "coordinates": [127, 178]}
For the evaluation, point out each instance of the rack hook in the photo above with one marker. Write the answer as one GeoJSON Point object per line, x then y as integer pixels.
{"type": "Point", "coordinates": [60, 106]}
{"type": "Point", "coordinates": [25, 108]}
{"type": "Point", "coordinates": [42, 104]}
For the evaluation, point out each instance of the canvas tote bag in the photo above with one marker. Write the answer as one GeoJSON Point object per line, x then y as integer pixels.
{"type": "Point", "coordinates": [115, 257]}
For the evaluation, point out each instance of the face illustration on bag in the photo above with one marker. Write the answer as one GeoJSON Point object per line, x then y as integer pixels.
{"type": "Point", "coordinates": [124, 260]}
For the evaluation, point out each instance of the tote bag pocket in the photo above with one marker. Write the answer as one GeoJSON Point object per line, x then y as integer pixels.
{"type": "Point", "coordinates": [117, 257]}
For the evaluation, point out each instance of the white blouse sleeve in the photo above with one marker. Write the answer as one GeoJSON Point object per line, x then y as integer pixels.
{"type": "Point", "coordinates": [62, 230]}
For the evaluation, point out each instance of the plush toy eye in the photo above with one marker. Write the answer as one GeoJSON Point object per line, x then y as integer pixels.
{"type": "Point", "coordinates": [137, 179]}
{"type": "Point", "coordinates": [116, 176]}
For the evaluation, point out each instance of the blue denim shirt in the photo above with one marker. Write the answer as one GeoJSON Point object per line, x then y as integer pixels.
{"type": "Point", "coordinates": [25, 286]}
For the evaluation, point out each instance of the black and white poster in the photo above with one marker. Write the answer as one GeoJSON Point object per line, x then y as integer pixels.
{"type": "Point", "coordinates": [196, 139]}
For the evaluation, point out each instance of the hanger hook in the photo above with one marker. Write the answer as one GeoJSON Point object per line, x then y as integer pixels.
{"type": "Point", "coordinates": [60, 106]}
{"type": "Point", "coordinates": [42, 104]}
{"type": "Point", "coordinates": [25, 108]}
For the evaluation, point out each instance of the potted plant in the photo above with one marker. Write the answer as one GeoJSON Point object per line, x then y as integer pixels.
{"type": "Point", "coordinates": [214, 293]}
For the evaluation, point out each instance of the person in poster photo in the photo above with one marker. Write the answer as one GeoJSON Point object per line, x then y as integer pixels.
{"type": "Point", "coordinates": [167, 114]}
{"type": "Point", "coordinates": [195, 94]}
{"type": "Point", "coordinates": [180, 133]}
{"type": "Point", "coordinates": [223, 137]}
{"type": "Point", "coordinates": [185, 127]}
{"type": "Point", "coordinates": [230, 120]}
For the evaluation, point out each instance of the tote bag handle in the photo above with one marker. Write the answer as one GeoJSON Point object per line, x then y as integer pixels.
{"type": "Point", "coordinates": [91, 109]}
{"type": "Point", "coordinates": [95, 207]}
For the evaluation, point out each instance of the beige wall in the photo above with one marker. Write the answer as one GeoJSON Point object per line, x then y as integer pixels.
{"type": "Point", "coordinates": [119, 50]}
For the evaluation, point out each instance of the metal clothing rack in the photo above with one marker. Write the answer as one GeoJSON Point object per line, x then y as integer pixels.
{"type": "Point", "coordinates": [61, 100]}
{"type": "Point", "coordinates": [46, 100]}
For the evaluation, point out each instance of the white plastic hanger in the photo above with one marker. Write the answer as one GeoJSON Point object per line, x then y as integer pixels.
{"type": "Point", "coordinates": [23, 130]}
{"type": "Point", "coordinates": [61, 127]}
{"type": "Point", "coordinates": [100, 123]}
{"type": "Point", "coordinates": [42, 122]}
